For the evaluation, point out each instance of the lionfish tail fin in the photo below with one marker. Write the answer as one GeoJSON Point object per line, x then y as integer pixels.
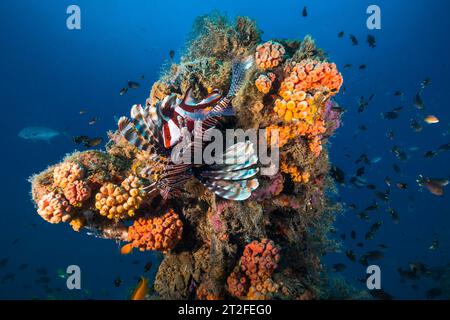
{"type": "Point", "coordinates": [239, 71]}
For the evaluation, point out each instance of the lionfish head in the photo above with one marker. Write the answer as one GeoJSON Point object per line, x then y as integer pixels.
{"type": "Point", "coordinates": [165, 108]}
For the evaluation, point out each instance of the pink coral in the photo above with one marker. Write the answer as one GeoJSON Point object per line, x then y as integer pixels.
{"type": "Point", "coordinates": [332, 116]}
{"type": "Point", "coordinates": [216, 222]}
{"type": "Point", "coordinates": [67, 172]}
{"type": "Point", "coordinates": [77, 192]}
{"type": "Point", "coordinates": [54, 208]}
{"type": "Point", "coordinates": [269, 55]}
{"type": "Point", "coordinates": [271, 189]}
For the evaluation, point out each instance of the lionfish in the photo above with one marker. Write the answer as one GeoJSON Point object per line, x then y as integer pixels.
{"type": "Point", "coordinates": [157, 129]}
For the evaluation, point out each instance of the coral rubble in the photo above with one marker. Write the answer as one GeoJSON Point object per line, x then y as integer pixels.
{"type": "Point", "coordinates": [214, 247]}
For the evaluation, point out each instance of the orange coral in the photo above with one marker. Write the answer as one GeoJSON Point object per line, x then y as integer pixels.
{"type": "Point", "coordinates": [292, 131]}
{"type": "Point", "coordinates": [264, 82]}
{"type": "Point", "coordinates": [160, 233]}
{"type": "Point", "coordinates": [303, 92]}
{"type": "Point", "coordinates": [269, 55]}
{"type": "Point", "coordinates": [203, 293]}
{"type": "Point", "coordinates": [259, 259]}
{"type": "Point", "coordinates": [262, 290]}
{"type": "Point", "coordinates": [253, 280]}
{"type": "Point", "coordinates": [116, 202]}
{"type": "Point", "coordinates": [294, 172]}
{"type": "Point", "coordinates": [67, 172]}
{"type": "Point", "coordinates": [77, 224]}
{"type": "Point", "coordinates": [311, 76]}
{"type": "Point", "coordinates": [237, 285]}
{"type": "Point", "coordinates": [54, 208]}
{"type": "Point", "coordinates": [77, 192]}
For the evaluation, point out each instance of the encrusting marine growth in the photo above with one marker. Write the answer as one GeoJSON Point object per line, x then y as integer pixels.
{"type": "Point", "coordinates": [226, 230]}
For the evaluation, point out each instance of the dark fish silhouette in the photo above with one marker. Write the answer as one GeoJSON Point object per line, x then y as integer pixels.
{"type": "Point", "coordinates": [354, 40]}
{"type": "Point", "coordinates": [363, 158]}
{"type": "Point", "coordinates": [337, 174]}
{"type": "Point", "coordinates": [362, 67]}
{"type": "Point", "coordinates": [444, 147]}
{"type": "Point", "coordinates": [384, 196]}
{"type": "Point", "coordinates": [362, 104]}
{"type": "Point", "coordinates": [363, 216]}
{"type": "Point", "coordinates": [374, 255]}
{"type": "Point", "coordinates": [4, 262]}
{"type": "Point", "coordinates": [391, 115]}
{"type": "Point", "coordinates": [402, 185]}
{"type": "Point", "coordinates": [430, 154]}
{"type": "Point", "coordinates": [434, 245]}
{"type": "Point", "coordinates": [360, 171]}
{"type": "Point", "coordinates": [133, 84]}
{"type": "Point", "coordinates": [339, 267]}
{"type": "Point", "coordinates": [425, 83]}
{"type": "Point", "coordinates": [340, 34]}
{"type": "Point", "coordinates": [415, 125]}
{"type": "Point", "coordinates": [399, 153]}
{"type": "Point", "coordinates": [117, 282]}
{"type": "Point", "coordinates": [87, 142]}
{"type": "Point", "coordinates": [305, 12]}
{"type": "Point", "coordinates": [148, 266]}
{"type": "Point", "coordinates": [418, 101]}
{"type": "Point", "coordinates": [123, 91]}
{"type": "Point", "coordinates": [371, 41]}
{"type": "Point", "coordinates": [394, 215]}
{"type": "Point", "coordinates": [172, 54]}
{"type": "Point", "coordinates": [350, 255]}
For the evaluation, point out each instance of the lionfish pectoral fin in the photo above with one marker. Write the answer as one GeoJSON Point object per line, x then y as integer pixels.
{"type": "Point", "coordinates": [235, 178]}
{"type": "Point", "coordinates": [233, 190]}
{"type": "Point", "coordinates": [239, 71]}
{"type": "Point", "coordinates": [129, 132]}
{"type": "Point", "coordinates": [230, 175]}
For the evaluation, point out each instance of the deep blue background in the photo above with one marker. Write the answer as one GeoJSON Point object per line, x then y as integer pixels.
{"type": "Point", "coordinates": [48, 73]}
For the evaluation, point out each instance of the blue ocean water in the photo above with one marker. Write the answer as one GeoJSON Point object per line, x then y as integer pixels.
{"type": "Point", "coordinates": [50, 73]}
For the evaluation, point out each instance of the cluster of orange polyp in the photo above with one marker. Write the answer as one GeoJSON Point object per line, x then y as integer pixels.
{"type": "Point", "coordinates": [304, 87]}
{"type": "Point", "coordinates": [159, 233]}
{"type": "Point", "coordinates": [253, 278]}
{"type": "Point", "coordinates": [119, 202]}
{"type": "Point", "coordinates": [69, 191]}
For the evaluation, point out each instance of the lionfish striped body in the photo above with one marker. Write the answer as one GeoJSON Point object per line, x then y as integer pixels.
{"type": "Point", "coordinates": [157, 129]}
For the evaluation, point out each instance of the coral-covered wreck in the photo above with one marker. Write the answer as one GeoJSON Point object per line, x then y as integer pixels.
{"type": "Point", "coordinates": [226, 232]}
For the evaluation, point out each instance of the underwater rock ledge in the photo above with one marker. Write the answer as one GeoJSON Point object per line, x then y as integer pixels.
{"type": "Point", "coordinates": [268, 246]}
